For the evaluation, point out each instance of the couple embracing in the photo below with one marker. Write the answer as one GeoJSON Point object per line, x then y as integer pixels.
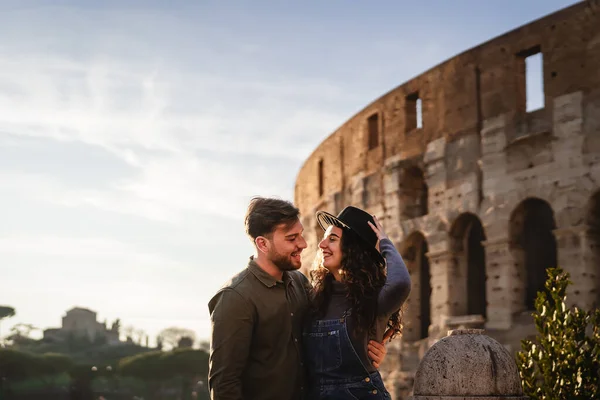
{"type": "Point", "coordinates": [278, 336]}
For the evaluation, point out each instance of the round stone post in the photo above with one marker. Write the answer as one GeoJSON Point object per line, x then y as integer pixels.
{"type": "Point", "coordinates": [467, 364]}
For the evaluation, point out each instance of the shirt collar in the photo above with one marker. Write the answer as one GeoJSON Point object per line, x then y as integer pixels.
{"type": "Point", "coordinates": [262, 275]}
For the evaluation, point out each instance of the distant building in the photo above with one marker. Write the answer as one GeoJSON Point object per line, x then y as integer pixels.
{"type": "Point", "coordinates": [81, 322]}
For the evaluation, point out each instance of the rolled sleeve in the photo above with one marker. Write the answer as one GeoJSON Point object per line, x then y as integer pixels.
{"type": "Point", "coordinates": [232, 319]}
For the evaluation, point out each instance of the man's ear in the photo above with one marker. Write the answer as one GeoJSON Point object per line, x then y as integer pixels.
{"type": "Point", "coordinates": [262, 244]}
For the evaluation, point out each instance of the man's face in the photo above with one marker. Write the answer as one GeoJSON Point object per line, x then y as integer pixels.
{"type": "Point", "coordinates": [287, 244]}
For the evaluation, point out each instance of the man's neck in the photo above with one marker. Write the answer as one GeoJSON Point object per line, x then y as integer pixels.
{"type": "Point", "coordinates": [268, 266]}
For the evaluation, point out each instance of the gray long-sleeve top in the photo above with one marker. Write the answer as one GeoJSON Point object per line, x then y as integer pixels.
{"type": "Point", "coordinates": [391, 297]}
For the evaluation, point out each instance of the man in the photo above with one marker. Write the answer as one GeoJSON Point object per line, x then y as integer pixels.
{"type": "Point", "coordinates": [257, 317]}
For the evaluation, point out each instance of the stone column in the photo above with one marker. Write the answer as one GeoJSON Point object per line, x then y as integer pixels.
{"type": "Point", "coordinates": [572, 248]}
{"type": "Point", "coordinates": [391, 199]}
{"type": "Point", "coordinates": [496, 185]}
{"type": "Point", "coordinates": [357, 186]}
{"type": "Point", "coordinates": [443, 270]}
{"type": "Point", "coordinates": [567, 122]}
{"type": "Point", "coordinates": [504, 289]}
{"type": "Point", "coordinates": [589, 276]}
{"type": "Point", "coordinates": [435, 175]}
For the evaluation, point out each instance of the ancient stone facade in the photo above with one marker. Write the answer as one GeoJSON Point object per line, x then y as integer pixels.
{"type": "Point", "coordinates": [479, 192]}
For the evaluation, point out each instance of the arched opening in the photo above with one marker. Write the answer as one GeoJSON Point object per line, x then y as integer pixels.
{"type": "Point", "coordinates": [593, 241]}
{"type": "Point", "coordinates": [417, 315]}
{"type": "Point", "coordinates": [413, 193]}
{"type": "Point", "coordinates": [467, 236]}
{"type": "Point", "coordinates": [533, 245]}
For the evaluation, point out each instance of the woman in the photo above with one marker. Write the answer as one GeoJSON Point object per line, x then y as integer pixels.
{"type": "Point", "coordinates": [354, 299]}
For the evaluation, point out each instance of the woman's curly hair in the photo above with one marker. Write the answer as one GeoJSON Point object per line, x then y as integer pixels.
{"type": "Point", "coordinates": [364, 276]}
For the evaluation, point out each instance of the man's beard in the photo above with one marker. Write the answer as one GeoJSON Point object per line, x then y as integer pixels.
{"type": "Point", "coordinates": [284, 263]}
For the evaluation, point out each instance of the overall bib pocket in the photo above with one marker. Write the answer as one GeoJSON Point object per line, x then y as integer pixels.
{"type": "Point", "coordinates": [326, 350]}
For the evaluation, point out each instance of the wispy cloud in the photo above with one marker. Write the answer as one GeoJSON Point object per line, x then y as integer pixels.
{"type": "Point", "coordinates": [158, 126]}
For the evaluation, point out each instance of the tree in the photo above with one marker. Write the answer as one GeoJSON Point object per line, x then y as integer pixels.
{"type": "Point", "coordinates": [20, 334]}
{"type": "Point", "coordinates": [184, 365]}
{"type": "Point", "coordinates": [186, 362]}
{"type": "Point", "coordinates": [116, 326]}
{"type": "Point", "coordinates": [23, 330]}
{"type": "Point", "coordinates": [188, 365]}
{"type": "Point", "coordinates": [147, 367]}
{"type": "Point", "coordinates": [17, 365]}
{"type": "Point", "coordinates": [139, 335]}
{"type": "Point", "coordinates": [128, 332]}
{"type": "Point", "coordinates": [562, 362]}
{"type": "Point", "coordinates": [53, 363]}
{"type": "Point", "coordinates": [6, 312]}
{"type": "Point", "coordinates": [185, 342]}
{"type": "Point", "coordinates": [170, 337]}
{"type": "Point", "coordinates": [204, 345]}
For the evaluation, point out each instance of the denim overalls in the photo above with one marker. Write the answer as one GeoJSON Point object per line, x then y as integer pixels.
{"type": "Point", "coordinates": [335, 371]}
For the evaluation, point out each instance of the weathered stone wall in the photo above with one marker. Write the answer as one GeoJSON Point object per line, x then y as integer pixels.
{"type": "Point", "coordinates": [484, 194]}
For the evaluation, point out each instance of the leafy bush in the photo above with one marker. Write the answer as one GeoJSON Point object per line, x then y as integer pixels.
{"type": "Point", "coordinates": [563, 361]}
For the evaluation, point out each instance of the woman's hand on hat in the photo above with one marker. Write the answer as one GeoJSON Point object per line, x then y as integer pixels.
{"type": "Point", "coordinates": [378, 229]}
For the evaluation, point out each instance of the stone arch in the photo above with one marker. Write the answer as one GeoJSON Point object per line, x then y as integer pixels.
{"type": "Point", "coordinates": [466, 237]}
{"type": "Point", "coordinates": [532, 245]}
{"type": "Point", "coordinates": [530, 188]}
{"type": "Point", "coordinates": [413, 193]}
{"type": "Point", "coordinates": [417, 316]}
{"type": "Point", "coordinates": [592, 250]}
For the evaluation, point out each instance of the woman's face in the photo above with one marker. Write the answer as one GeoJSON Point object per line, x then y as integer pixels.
{"type": "Point", "coordinates": [331, 249]}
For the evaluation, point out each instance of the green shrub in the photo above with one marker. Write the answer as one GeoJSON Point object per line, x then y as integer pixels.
{"type": "Point", "coordinates": [563, 361]}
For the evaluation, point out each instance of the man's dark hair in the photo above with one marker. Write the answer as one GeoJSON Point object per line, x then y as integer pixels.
{"type": "Point", "coordinates": [265, 214]}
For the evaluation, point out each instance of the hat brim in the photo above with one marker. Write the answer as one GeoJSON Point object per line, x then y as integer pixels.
{"type": "Point", "coordinates": [325, 220]}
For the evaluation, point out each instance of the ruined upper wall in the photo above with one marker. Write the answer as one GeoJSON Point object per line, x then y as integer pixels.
{"type": "Point", "coordinates": [457, 96]}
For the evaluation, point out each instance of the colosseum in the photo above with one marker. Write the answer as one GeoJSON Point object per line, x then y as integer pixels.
{"type": "Point", "coordinates": [480, 190]}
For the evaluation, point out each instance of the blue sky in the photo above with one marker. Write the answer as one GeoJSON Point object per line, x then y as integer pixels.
{"type": "Point", "coordinates": [133, 134]}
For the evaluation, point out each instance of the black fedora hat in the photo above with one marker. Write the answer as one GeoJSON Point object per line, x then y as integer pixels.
{"type": "Point", "coordinates": [355, 220]}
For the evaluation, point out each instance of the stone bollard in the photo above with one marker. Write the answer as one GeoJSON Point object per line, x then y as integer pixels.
{"type": "Point", "coordinates": [467, 365]}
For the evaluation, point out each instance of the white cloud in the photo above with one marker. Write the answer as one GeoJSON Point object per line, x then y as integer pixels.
{"type": "Point", "coordinates": [112, 104]}
{"type": "Point", "coordinates": [157, 119]}
{"type": "Point", "coordinates": [97, 250]}
{"type": "Point", "coordinates": [174, 180]}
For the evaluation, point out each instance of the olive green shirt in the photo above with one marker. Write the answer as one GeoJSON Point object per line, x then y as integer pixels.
{"type": "Point", "coordinates": [257, 326]}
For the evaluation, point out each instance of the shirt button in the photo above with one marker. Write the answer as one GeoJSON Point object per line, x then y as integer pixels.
{"type": "Point", "coordinates": [374, 391]}
{"type": "Point", "coordinates": [295, 340]}
{"type": "Point", "coordinates": [367, 379]}
{"type": "Point", "coordinates": [292, 314]}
